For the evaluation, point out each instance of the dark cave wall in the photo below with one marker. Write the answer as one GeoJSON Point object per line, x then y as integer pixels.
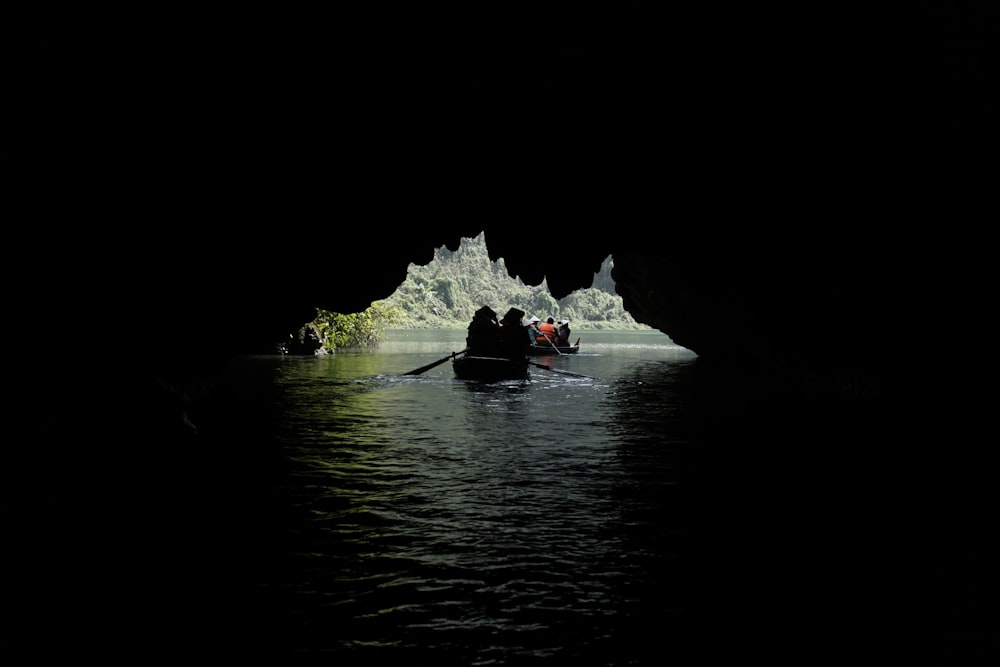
{"type": "Point", "coordinates": [780, 185]}
{"type": "Point", "coordinates": [803, 316]}
{"type": "Point", "coordinates": [810, 190]}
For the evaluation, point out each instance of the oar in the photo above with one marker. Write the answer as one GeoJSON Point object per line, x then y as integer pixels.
{"type": "Point", "coordinates": [552, 344]}
{"type": "Point", "coordinates": [418, 371]}
{"type": "Point", "coordinates": [579, 375]}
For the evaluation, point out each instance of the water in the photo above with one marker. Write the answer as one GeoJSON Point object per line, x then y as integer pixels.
{"type": "Point", "coordinates": [483, 524]}
{"type": "Point", "coordinates": [637, 507]}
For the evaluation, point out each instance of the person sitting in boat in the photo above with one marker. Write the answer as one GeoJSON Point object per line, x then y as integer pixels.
{"type": "Point", "coordinates": [532, 328]}
{"type": "Point", "coordinates": [512, 341]}
{"type": "Point", "coordinates": [547, 329]}
{"type": "Point", "coordinates": [483, 339]}
{"type": "Point", "coordinates": [562, 333]}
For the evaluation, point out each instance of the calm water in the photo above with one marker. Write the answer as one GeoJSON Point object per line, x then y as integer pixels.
{"type": "Point", "coordinates": [485, 524]}
{"type": "Point", "coordinates": [635, 508]}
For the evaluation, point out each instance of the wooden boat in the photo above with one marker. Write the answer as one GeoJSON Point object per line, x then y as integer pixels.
{"type": "Point", "coordinates": [489, 369]}
{"type": "Point", "coordinates": [545, 349]}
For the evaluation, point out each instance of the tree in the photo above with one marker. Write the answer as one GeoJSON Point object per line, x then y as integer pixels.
{"type": "Point", "coordinates": [364, 329]}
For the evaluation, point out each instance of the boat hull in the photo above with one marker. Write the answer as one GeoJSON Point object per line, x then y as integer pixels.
{"type": "Point", "coordinates": [489, 369]}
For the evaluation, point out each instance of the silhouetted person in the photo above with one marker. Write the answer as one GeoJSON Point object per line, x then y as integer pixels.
{"type": "Point", "coordinates": [562, 333]}
{"type": "Point", "coordinates": [483, 339]}
{"type": "Point", "coordinates": [512, 339]}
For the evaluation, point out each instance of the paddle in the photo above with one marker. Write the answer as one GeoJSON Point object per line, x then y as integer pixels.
{"type": "Point", "coordinates": [418, 371]}
{"type": "Point", "coordinates": [554, 347]}
{"type": "Point", "coordinates": [579, 375]}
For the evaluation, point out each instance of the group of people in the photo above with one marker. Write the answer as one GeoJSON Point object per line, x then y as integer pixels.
{"type": "Point", "coordinates": [548, 332]}
{"type": "Point", "coordinates": [489, 338]}
{"type": "Point", "coordinates": [506, 338]}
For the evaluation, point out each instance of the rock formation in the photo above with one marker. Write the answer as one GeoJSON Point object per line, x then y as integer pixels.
{"type": "Point", "coordinates": [808, 192]}
{"type": "Point", "coordinates": [804, 197]}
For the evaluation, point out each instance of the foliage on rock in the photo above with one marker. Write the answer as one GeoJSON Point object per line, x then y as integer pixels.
{"type": "Point", "coordinates": [446, 292]}
{"type": "Point", "coordinates": [364, 329]}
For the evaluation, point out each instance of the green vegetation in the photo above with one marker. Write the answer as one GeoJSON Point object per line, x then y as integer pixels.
{"type": "Point", "coordinates": [446, 292]}
{"type": "Point", "coordinates": [364, 329]}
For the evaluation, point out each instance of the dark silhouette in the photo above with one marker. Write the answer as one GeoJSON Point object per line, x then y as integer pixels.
{"type": "Point", "coordinates": [483, 339]}
{"type": "Point", "coordinates": [514, 344]}
{"type": "Point", "coordinates": [562, 333]}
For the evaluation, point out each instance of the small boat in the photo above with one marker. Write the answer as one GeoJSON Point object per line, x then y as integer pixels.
{"type": "Point", "coordinates": [489, 369]}
{"type": "Point", "coordinates": [540, 349]}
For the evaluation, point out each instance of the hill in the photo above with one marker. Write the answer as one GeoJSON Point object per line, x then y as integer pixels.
{"type": "Point", "coordinates": [447, 291]}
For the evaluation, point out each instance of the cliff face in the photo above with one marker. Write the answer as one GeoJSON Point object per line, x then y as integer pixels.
{"type": "Point", "coordinates": [808, 192]}
{"type": "Point", "coordinates": [803, 194]}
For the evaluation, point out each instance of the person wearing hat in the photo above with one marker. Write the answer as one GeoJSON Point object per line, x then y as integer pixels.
{"type": "Point", "coordinates": [483, 339]}
{"type": "Point", "coordinates": [532, 328]}
{"type": "Point", "coordinates": [562, 334]}
{"type": "Point", "coordinates": [512, 340]}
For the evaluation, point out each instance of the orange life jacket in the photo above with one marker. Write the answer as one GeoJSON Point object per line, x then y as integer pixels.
{"type": "Point", "coordinates": [548, 333]}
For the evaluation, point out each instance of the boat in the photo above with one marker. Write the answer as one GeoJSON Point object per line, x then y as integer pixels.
{"type": "Point", "coordinates": [540, 349]}
{"type": "Point", "coordinates": [489, 369]}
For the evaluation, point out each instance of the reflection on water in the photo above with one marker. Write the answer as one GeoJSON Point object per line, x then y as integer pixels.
{"type": "Point", "coordinates": [488, 522]}
{"type": "Point", "coordinates": [645, 509]}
